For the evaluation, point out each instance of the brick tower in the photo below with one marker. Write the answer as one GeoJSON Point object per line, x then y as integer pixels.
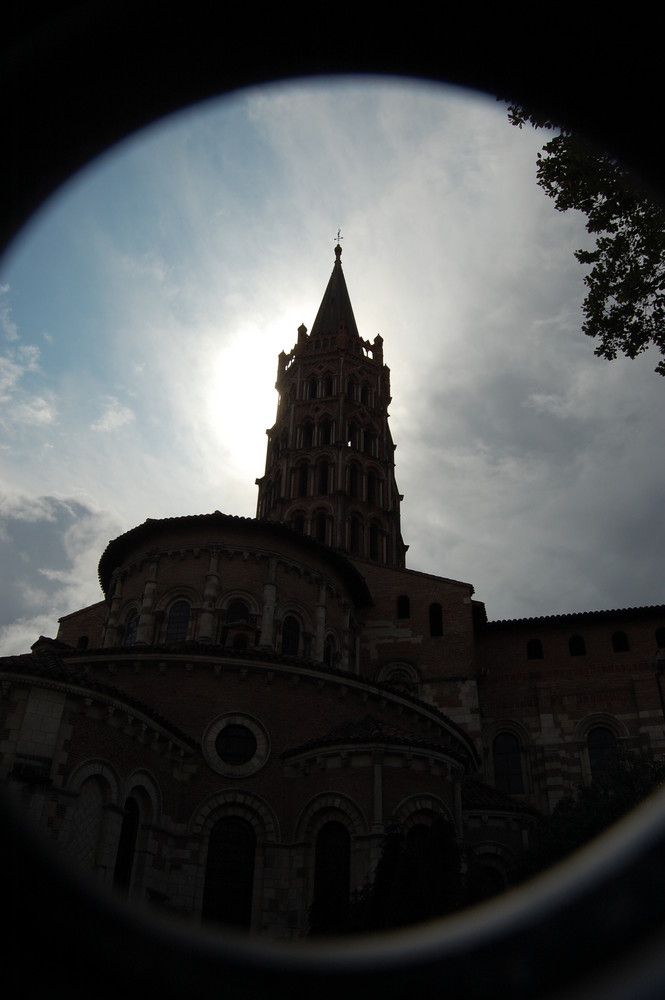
{"type": "Point", "coordinates": [330, 469]}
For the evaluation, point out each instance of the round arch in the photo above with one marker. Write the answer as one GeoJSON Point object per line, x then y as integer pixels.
{"type": "Point", "coordinates": [96, 768]}
{"type": "Point", "coordinates": [411, 810]}
{"type": "Point", "coordinates": [327, 806]}
{"type": "Point", "coordinates": [143, 782]}
{"type": "Point", "coordinates": [599, 720]}
{"type": "Point", "coordinates": [236, 802]}
{"type": "Point", "coordinates": [228, 597]}
{"type": "Point", "coordinates": [178, 593]}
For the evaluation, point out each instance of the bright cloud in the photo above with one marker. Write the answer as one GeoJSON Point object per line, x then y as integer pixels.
{"type": "Point", "coordinates": [114, 416]}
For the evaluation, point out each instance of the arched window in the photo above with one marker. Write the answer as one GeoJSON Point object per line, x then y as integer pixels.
{"type": "Point", "coordinates": [303, 470]}
{"type": "Point", "coordinates": [355, 534]}
{"type": "Point", "coordinates": [329, 651]}
{"type": "Point", "coordinates": [354, 480]}
{"type": "Point", "coordinates": [124, 861]}
{"type": "Point", "coordinates": [326, 431]}
{"type": "Point", "coordinates": [534, 649]}
{"type": "Point", "coordinates": [620, 642]}
{"type": "Point", "coordinates": [364, 394]}
{"type": "Point", "coordinates": [87, 824]}
{"type": "Point", "coordinates": [291, 636]}
{"type": "Point", "coordinates": [307, 435]}
{"type": "Point", "coordinates": [372, 488]}
{"type": "Point", "coordinates": [131, 629]}
{"type": "Point", "coordinates": [177, 622]}
{"type": "Point", "coordinates": [602, 749]}
{"type": "Point", "coordinates": [328, 386]}
{"type": "Point", "coordinates": [368, 442]}
{"type": "Point", "coordinates": [321, 527]}
{"type": "Point", "coordinates": [403, 606]}
{"type": "Point", "coordinates": [312, 388]}
{"type": "Point", "coordinates": [374, 540]}
{"type": "Point", "coordinates": [323, 477]}
{"type": "Point", "coordinates": [299, 523]}
{"type": "Point", "coordinates": [435, 619]}
{"type": "Point", "coordinates": [576, 645]}
{"type": "Point", "coordinates": [352, 434]}
{"type": "Point", "coordinates": [229, 878]}
{"type": "Point", "coordinates": [507, 760]}
{"type": "Point", "coordinates": [237, 611]}
{"type": "Point", "coordinates": [332, 873]}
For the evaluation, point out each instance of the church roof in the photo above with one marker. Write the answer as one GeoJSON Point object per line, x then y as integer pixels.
{"type": "Point", "coordinates": [45, 664]}
{"type": "Point", "coordinates": [155, 530]}
{"type": "Point", "coordinates": [577, 617]}
{"type": "Point", "coordinates": [335, 308]}
{"type": "Point", "coordinates": [480, 797]}
{"type": "Point", "coordinates": [371, 730]}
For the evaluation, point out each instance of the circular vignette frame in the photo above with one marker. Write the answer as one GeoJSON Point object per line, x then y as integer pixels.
{"type": "Point", "coordinates": [258, 759]}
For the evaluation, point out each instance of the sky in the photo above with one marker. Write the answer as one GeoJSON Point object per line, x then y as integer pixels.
{"type": "Point", "coordinates": [143, 308]}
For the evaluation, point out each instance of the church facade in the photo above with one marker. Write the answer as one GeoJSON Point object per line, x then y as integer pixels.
{"type": "Point", "coordinates": [230, 732]}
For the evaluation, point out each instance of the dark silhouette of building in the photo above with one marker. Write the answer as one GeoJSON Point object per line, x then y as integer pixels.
{"type": "Point", "coordinates": [230, 732]}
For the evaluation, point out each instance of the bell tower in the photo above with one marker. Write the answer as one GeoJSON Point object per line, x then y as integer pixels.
{"type": "Point", "coordinates": [330, 466]}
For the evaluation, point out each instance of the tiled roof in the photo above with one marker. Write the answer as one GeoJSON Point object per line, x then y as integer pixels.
{"type": "Point", "coordinates": [116, 550]}
{"type": "Point", "coordinates": [335, 308]}
{"type": "Point", "coordinates": [370, 730]}
{"type": "Point", "coordinates": [46, 664]}
{"type": "Point", "coordinates": [646, 611]}
{"type": "Point", "coordinates": [477, 796]}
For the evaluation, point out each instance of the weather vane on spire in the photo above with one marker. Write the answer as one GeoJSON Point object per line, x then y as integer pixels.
{"type": "Point", "coordinates": [339, 236]}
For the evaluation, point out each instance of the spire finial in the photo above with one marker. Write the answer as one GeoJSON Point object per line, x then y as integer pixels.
{"type": "Point", "coordinates": [338, 249]}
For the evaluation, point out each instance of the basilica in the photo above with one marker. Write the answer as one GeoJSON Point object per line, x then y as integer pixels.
{"type": "Point", "coordinates": [231, 730]}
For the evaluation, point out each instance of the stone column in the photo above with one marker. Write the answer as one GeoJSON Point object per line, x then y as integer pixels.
{"type": "Point", "coordinates": [145, 633]}
{"type": "Point", "coordinates": [111, 628]}
{"type": "Point", "coordinates": [206, 629]}
{"type": "Point", "coordinates": [268, 615]}
{"type": "Point", "coordinates": [345, 639]}
{"type": "Point", "coordinates": [320, 633]}
{"type": "Point", "coordinates": [377, 768]}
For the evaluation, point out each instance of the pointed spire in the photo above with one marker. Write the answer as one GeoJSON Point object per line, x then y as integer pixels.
{"type": "Point", "coordinates": [335, 311]}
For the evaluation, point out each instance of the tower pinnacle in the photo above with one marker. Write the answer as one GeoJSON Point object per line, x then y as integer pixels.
{"type": "Point", "coordinates": [330, 469]}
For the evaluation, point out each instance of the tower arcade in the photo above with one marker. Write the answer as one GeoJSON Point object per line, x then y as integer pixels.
{"type": "Point", "coordinates": [330, 469]}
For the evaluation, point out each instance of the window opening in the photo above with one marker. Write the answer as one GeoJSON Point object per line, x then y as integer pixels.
{"type": "Point", "coordinates": [602, 749]}
{"type": "Point", "coordinates": [620, 642]}
{"type": "Point", "coordinates": [507, 759]}
{"type": "Point", "coordinates": [177, 624]}
{"type": "Point", "coordinates": [577, 645]}
{"type": "Point", "coordinates": [124, 861]}
{"type": "Point", "coordinates": [131, 629]}
{"type": "Point", "coordinates": [236, 744]}
{"type": "Point", "coordinates": [229, 879]}
{"type": "Point", "coordinates": [534, 649]}
{"type": "Point", "coordinates": [290, 636]}
{"type": "Point", "coordinates": [332, 870]}
{"type": "Point", "coordinates": [435, 620]}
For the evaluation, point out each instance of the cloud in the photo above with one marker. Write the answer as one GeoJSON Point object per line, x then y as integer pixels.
{"type": "Point", "coordinates": [7, 324]}
{"type": "Point", "coordinates": [52, 545]}
{"type": "Point", "coordinates": [115, 415]}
